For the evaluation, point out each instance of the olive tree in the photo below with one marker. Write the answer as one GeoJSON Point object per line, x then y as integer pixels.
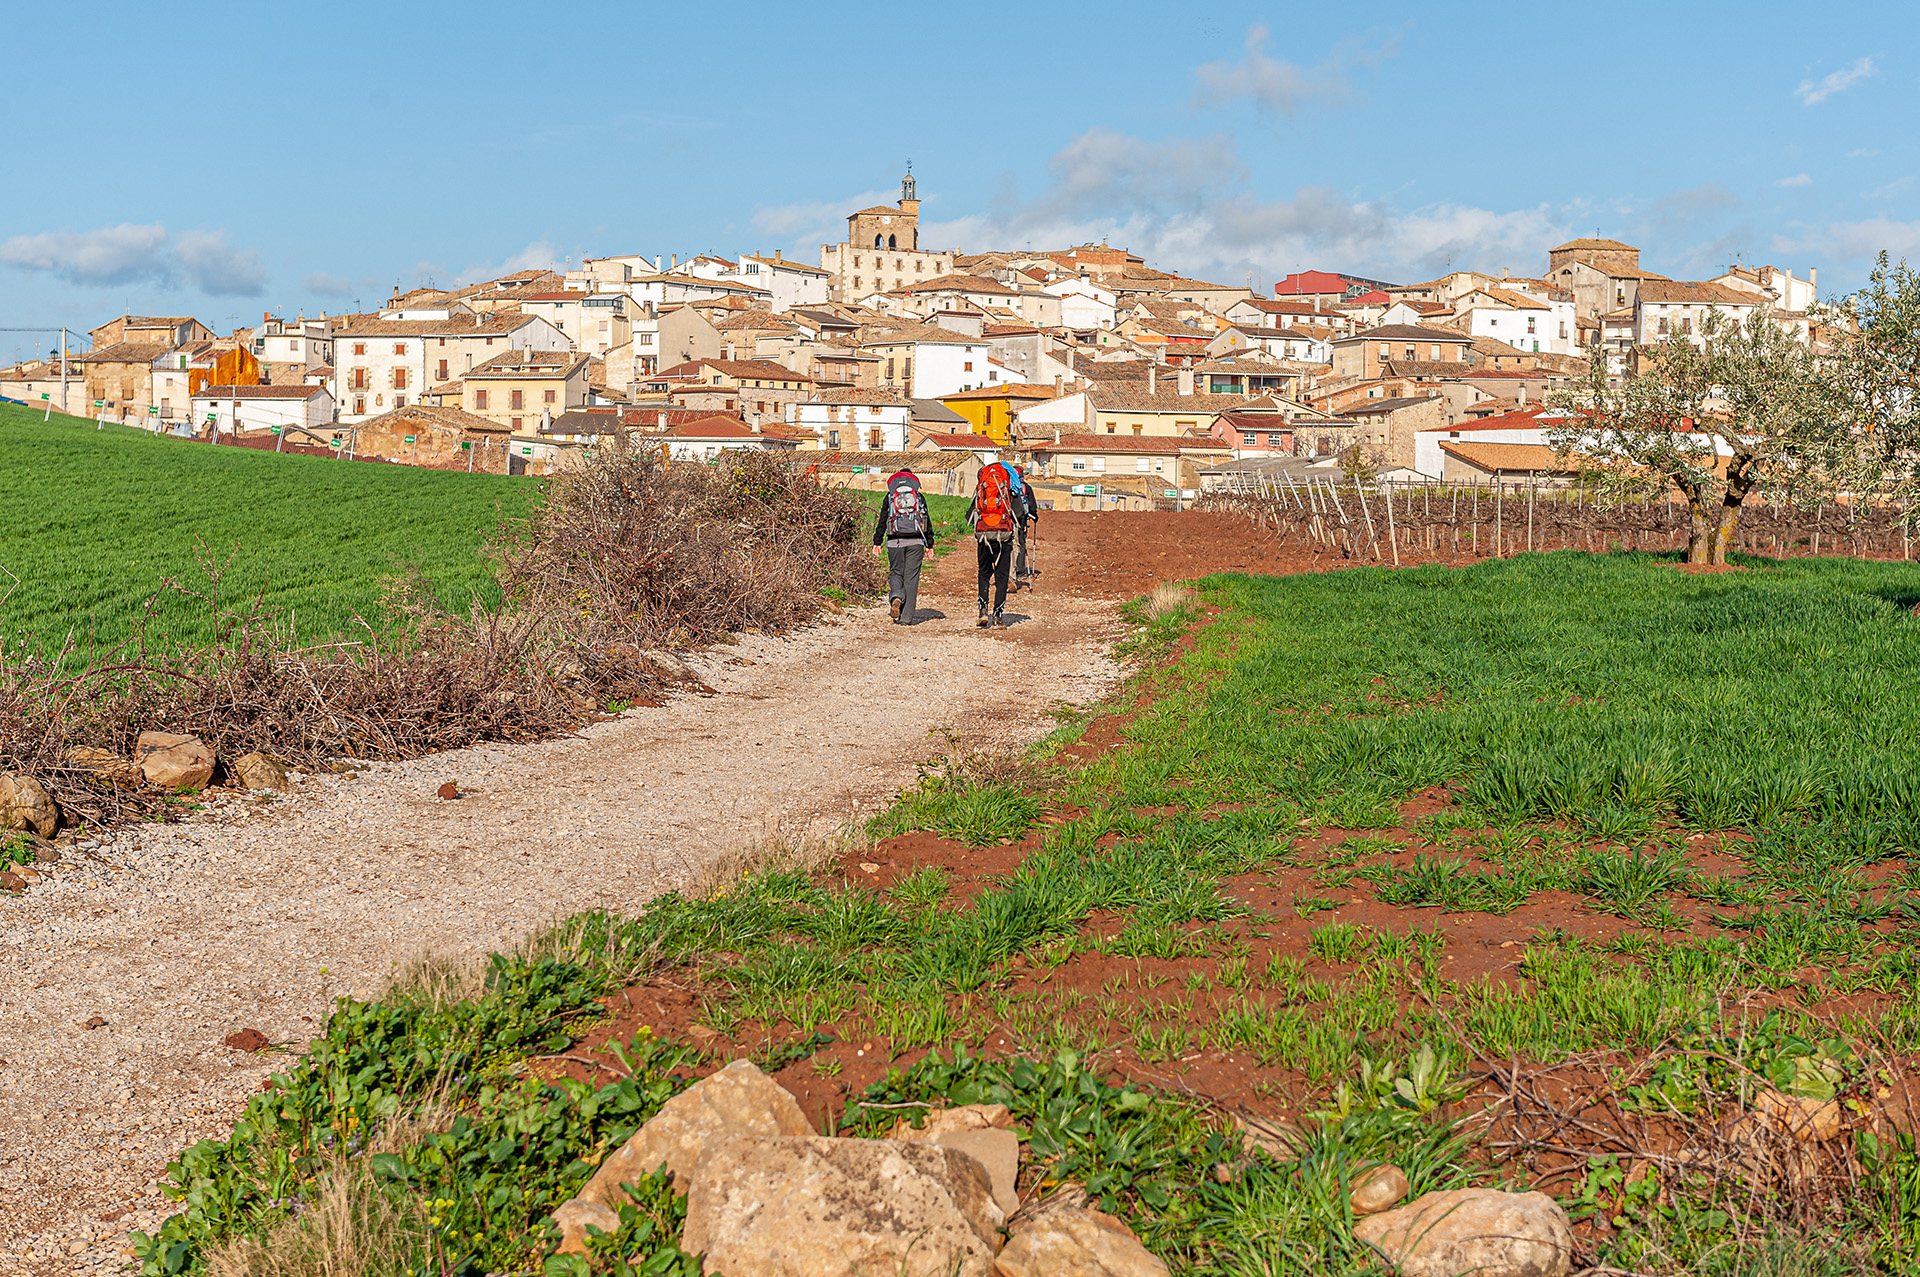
{"type": "Point", "coordinates": [1873, 374]}
{"type": "Point", "coordinates": [1712, 415]}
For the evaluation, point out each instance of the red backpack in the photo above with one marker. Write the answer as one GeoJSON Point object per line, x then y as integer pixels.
{"type": "Point", "coordinates": [993, 500]}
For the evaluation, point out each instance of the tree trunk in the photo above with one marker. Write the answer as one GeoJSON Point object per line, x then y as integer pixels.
{"type": "Point", "coordinates": [1699, 526]}
{"type": "Point", "coordinates": [1742, 475]}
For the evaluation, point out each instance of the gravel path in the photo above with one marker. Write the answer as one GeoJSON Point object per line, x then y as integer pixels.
{"type": "Point", "coordinates": [255, 912]}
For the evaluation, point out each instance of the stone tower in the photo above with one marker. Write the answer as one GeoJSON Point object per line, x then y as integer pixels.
{"type": "Point", "coordinates": [888, 228]}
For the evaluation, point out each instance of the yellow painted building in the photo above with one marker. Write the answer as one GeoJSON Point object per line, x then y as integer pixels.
{"type": "Point", "coordinates": [989, 410]}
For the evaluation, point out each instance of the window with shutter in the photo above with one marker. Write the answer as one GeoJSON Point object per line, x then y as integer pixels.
{"type": "Point", "coordinates": [516, 399]}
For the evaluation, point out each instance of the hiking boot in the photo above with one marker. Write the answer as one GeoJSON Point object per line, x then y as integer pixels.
{"type": "Point", "coordinates": [895, 608]}
{"type": "Point", "coordinates": [984, 620]}
{"type": "Point", "coordinates": [1000, 620]}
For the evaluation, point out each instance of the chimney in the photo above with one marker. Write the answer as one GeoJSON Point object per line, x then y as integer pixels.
{"type": "Point", "coordinates": [776, 254]}
{"type": "Point", "coordinates": [1503, 272]}
{"type": "Point", "coordinates": [1150, 380]}
{"type": "Point", "coordinates": [656, 263]}
{"type": "Point", "coordinates": [1316, 304]}
{"type": "Point", "coordinates": [1813, 281]}
{"type": "Point", "coordinates": [1056, 385]}
{"type": "Point", "coordinates": [1185, 381]}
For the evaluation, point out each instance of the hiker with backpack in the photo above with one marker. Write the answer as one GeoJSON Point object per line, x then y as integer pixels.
{"type": "Point", "coordinates": [1026, 517]}
{"type": "Point", "coordinates": [906, 527]}
{"type": "Point", "coordinates": [993, 517]}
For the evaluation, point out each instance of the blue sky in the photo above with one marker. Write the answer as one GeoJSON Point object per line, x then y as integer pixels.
{"type": "Point", "coordinates": [291, 157]}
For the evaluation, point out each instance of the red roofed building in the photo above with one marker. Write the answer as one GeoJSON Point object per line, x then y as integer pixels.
{"type": "Point", "coordinates": [1328, 286]}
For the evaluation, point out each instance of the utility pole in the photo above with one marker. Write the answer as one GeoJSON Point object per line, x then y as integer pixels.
{"type": "Point", "coordinates": [63, 370]}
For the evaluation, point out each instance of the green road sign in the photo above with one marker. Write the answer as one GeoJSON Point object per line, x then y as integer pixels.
{"type": "Point", "coordinates": [46, 396]}
{"type": "Point", "coordinates": [1170, 492]}
{"type": "Point", "coordinates": [99, 403]}
{"type": "Point", "coordinates": [526, 452]}
{"type": "Point", "coordinates": [153, 412]}
{"type": "Point", "coordinates": [859, 469]}
{"type": "Point", "coordinates": [465, 445]}
{"type": "Point", "coordinates": [409, 438]}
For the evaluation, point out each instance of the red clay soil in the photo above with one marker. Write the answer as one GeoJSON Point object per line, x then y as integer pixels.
{"type": "Point", "coordinates": [1121, 555]}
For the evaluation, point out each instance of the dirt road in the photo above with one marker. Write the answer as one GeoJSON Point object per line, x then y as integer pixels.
{"type": "Point", "coordinates": [252, 915]}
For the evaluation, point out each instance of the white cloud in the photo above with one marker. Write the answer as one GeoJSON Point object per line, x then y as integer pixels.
{"type": "Point", "coordinates": [1862, 153]}
{"type": "Point", "coordinates": [111, 255]}
{"type": "Point", "coordinates": [1859, 240]}
{"type": "Point", "coordinates": [1891, 189]}
{"type": "Point", "coordinates": [1797, 180]}
{"type": "Point", "coordinates": [1278, 85]}
{"type": "Point", "coordinates": [1182, 205]}
{"type": "Point", "coordinates": [823, 222]}
{"type": "Point", "coordinates": [328, 285]}
{"type": "Point", "coordinates": [134, 252]}
{"type": "Point", "coordinates": [217, 267]}
{"type": "Point", "coordinates": [1814, 92]}
{"type": "Point", "coordinates": [539, 255]}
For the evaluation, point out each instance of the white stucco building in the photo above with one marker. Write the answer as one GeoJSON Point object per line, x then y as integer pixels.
{"type": "Point", "coordinates": [856, 420]}
{"type": "Point", "coordinates": [241, 409]}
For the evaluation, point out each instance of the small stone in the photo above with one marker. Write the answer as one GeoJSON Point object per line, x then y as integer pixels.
{"type": "Point", "coordinates": [1378, 1188]}
{"type": "Point", "coordinates": [1809, 1121]}
{"type": "Point", "coordinates": [25, 805]}
{"type": "Point", "coordinates": [12, 881]}
{"type": "Point", "coordinates": [257, 771]}
{"type": "Point", "coordinates": [1266, 1135]}
{"type": "Point", "coordinates": [76, 1248]}
{"type": "Point", "coordinates": [1482, 1231]}
{"type": "Point", "coordinates": [94, 1022]}
{"type": "Point", "coordinates": [966, 1117]}
{"type": "Point", "coordinates": [172, 761]}
{"type": "Point", "coordinates": [1075, 1241]}
{"type": "Point", "coordinates": [247, 1040]}
{"type": "Point", "coordinates": [450, 790]}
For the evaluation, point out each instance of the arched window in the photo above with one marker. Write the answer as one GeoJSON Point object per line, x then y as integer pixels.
{"type": "Point", "coordinates": [876, 242]}
{"type": "Point", "coordinates": [889, 241]}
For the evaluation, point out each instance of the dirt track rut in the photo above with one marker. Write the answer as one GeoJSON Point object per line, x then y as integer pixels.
{"type": "Point", "coordinates": [253, 915]}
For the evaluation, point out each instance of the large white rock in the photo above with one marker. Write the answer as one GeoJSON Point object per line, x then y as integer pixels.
{"type": "Point", "coordinates": [736, 1100]}
{"type": "Point", "coordinates": [980, 1131]}
{"type": "Point", "coordinates": [1481, 1231]}
{"type": "Point", "coordinates": [781, 1206]}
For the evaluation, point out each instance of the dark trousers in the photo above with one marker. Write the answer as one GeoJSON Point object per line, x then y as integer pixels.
{"type": "Point", "coordinates": [903, 576]}
{"type": "Point", "coordinates": [1020, 572]}
{"type": "Point", "coordinates": [996, 560]}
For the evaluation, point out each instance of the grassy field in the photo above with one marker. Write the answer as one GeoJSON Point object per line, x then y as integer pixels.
{"type": "Point", "coordinates": [1372, 855]}
{"type": "Point", "coordinates": [97, 518]}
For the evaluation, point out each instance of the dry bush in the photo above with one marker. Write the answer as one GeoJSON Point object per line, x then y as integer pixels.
{"type": "Point", "coordinates": [350, 1229]}
{"type": "Point", "coordinates": [1167, 598]}
{"type": "Point", "coordinates": [625, 557]}
{"type": "Point", "coordinates": [435, 981]}
{"type": "Point", "coordinates": [773, 849]}
{"type": "Point", "coordinates": [632, 550]}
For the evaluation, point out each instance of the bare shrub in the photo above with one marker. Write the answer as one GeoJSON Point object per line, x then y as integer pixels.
{"type": "Point", "coordinates": [627, 558]}
{"type": "Point", "coordinates": [633, 550]}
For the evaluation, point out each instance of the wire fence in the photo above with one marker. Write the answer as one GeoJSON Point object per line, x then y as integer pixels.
{"type": "Point", "coordinates": [1381, 520]}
